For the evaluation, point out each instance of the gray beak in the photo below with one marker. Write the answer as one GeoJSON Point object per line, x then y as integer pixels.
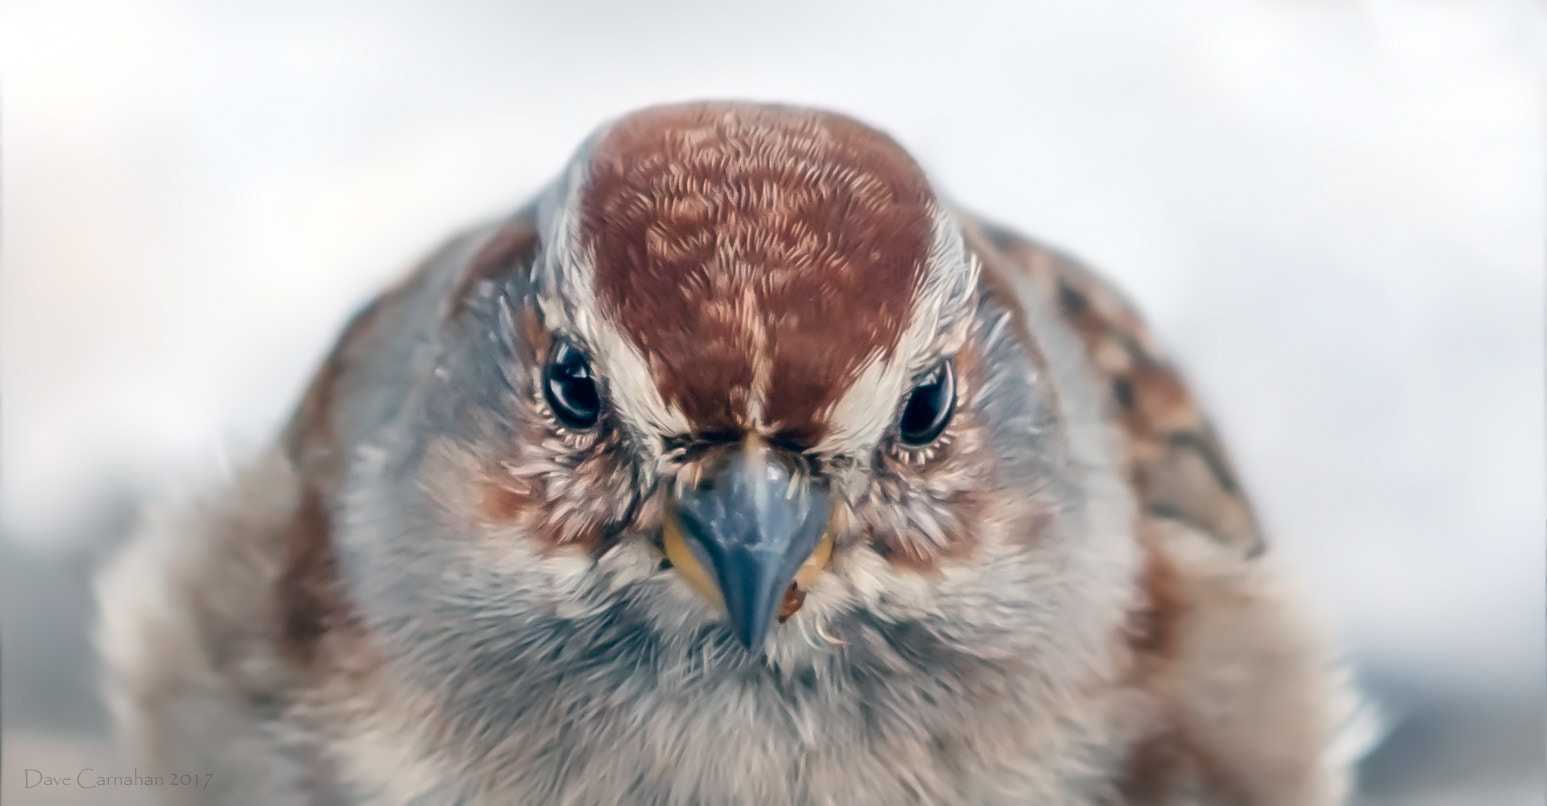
{"type": "Point", "coordinates": [751, 527]}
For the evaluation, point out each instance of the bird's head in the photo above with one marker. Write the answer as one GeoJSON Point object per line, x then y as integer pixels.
{"type": "Point", "coordinates": [735, 389]}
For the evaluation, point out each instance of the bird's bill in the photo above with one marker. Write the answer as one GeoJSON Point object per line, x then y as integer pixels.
{"type": "Point", "coordinates": [746, 535]}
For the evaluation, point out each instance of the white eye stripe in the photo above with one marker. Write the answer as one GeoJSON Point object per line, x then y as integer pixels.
{"type": "Point", "coordinates": [566, 295]}
{"type": "Point", "coordinates": [937, 329]}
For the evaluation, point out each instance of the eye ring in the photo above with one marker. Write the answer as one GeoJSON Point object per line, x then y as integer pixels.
{"type": "Point", "coordinates": [929, 408]}
{"type": "Point", "coordinates": [569, 386]}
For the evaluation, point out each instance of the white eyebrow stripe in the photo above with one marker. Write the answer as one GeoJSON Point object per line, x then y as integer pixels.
{"type": "Point", "coordinates": [936, 327]}
{"type": "Point", "coordinates": [567, 298]}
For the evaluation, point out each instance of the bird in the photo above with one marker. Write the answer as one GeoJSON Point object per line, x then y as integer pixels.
{"type": "Point", "coordinates": [740, 465]}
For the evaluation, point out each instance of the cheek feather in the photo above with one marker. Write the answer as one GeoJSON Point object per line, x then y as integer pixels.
{"type": "Point", "coordinates": [934, 504]}
{"type": "Point", "coordinates": [554, 486]}
{"type": "Point", "coordinates": [925, 517]}
{"type": "Point", "coordinates": [562, 499]}
{"type": "Point", "coordinates": [555, 506]}
{"type": "Point", "coordinates": [502, 504]}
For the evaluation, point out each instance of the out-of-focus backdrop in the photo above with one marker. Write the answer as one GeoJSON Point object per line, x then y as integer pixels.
{"type": "Point", "coordinates": [1333, 210]}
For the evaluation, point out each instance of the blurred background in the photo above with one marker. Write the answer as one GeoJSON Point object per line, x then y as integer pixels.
{"type": "Point", "coordinates": [1332, 209]}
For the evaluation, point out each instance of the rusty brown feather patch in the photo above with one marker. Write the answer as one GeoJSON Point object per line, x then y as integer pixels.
{"type": "Point", "coordinates": [511, 247]}
{"type": "Point", "coordinates": [310, 439]}
{"type": "Point", "coordinates": [1159, 770]}
{"type": "Point", "coordinates": [308, 602]}
{"type": "Point", "coordinates": [1161, 767]}
{"type": "Point", "coordinates": [748, 247]}
{"type": "Point", "coordinates": [311, 604]}
{"type": "Point", "coordinates": [317, 623]}
{"type": "Point", "coordinates": [1153, 625]}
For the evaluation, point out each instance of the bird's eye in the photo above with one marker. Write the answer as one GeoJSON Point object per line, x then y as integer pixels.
{"type": "Point", "coordinates": [571, 388]}
{"type": "Point", "coordinates": [929, 407]}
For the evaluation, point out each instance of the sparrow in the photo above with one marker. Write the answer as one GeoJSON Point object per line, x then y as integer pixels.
{"type": "Point", "coordinates": [738, 467]}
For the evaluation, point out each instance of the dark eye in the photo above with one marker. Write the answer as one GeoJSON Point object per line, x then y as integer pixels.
{"type": "Point", "coordinates": [570, 388]}
{"type": "Point", "coordinates": [929, 408]}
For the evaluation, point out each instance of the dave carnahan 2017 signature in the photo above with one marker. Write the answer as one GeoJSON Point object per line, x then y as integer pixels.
{"type": "Point", "coordinates": [89, 778]}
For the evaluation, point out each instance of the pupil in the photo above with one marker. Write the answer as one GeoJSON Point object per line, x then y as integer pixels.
{"type": "Point", "coordinates": [571, 391]}
{"type": "Point", "coordinates": [928, 409]}
{"type": "Point", "coordinates": [579, 389]}
{"type": "Point", "coordinates": [921, 411]}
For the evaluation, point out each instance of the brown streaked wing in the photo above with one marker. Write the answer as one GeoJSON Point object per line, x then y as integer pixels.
{"type": "Point", "coordinates": [1177, 464]}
